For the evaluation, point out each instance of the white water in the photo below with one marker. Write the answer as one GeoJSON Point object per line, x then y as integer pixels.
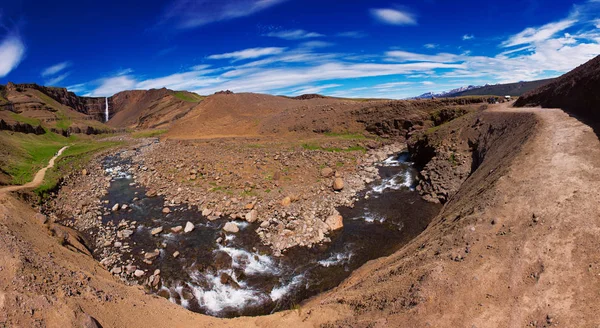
{"type": "Point", "coordinates": [106, 110]}
{"type": "Point", "coordinates": [337, 259]}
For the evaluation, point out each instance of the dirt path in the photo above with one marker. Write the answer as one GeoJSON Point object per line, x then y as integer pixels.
{"type": "Point", "coordinates": [39, 176]}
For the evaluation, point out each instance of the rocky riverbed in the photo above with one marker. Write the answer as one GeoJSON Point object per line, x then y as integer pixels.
{"type": "Point", "coordinates": [250, 251]}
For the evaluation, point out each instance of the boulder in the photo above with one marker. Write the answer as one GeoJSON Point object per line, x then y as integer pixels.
{"type": "Point", "coordinates": [327, 172]}
{"type": "Point", "coordinates": [189, 227]}
{"type": "Point", "coordinates": [223, 261]}
{"type": "Point", "coordinates": [139, 273]}
{"type": "Point", "coordinates": [338, 184]}
{"type": "Point", "coordinates": [335, 222]}
{"type": "Point", "coordinates": [252, 216]}
{"type": "Point", "coordinates": [231, 227]}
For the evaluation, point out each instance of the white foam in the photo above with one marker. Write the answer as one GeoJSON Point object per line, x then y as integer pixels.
{"type": "Point", "coordinates": [218, 297]}
{"type": "Point", "coordinates": [392, 183]}
{"type": "Point", "coordinates": [336, 259]}
{"type": "Point", "coordinates": [242, 224]}
{"type": "Point", "coordinates": [253, 263]}
{"type": "Point", "coordinates": [279, 292]}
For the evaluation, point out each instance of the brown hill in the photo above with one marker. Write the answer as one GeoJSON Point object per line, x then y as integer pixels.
{"type": "Point", "coordinates": [248, 114]}
{"type": "Point", "coordinates": [150, 108]}
{"type": "Point", "coordinates": [576, 92]}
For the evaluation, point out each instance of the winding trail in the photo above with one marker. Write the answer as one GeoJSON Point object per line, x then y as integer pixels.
{"type": "Point", "coordinates": [39, 176]}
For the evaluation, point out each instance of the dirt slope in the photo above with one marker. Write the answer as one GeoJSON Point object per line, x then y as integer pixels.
{"type": "Point", "coordinates": [153, 108]}
{"type": "Point", "coordinates": [576, 92]}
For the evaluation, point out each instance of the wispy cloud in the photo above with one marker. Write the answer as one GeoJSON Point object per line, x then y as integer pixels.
{"type": "Point", "coordinates": [194, 13]}
{"type": "Point", "coordinates": [12, 51]}
{"type": "Point", "coordinates": [394, 16]}
{"type": "Point", "coordinates": [538, 34]}
{"type": "Point", "coordinates": [55, 69]}
{"type": "Point", "coordinates": [405, 56]}
{"type": "Point", "coordinates": [314, 89]}
{"type": "Point", "coordinates": [352, 34]}
{"type": "Point", "coordinates": [294, 34]}
{"type": "Point", "coordinates": [467, 37]}
{"type": "Point", "coordinates": [431, 45]}
{"type": "Point", "coordinates": [248, 53]}
{"type": "Point", "coordinates": [57, 79]}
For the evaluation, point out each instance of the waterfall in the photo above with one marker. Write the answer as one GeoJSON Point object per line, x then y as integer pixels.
{"type": "Point", "coordinates": [106, 110]}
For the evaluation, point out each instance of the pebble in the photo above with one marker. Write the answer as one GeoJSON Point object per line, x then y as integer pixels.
{"type": "Point", "coordinates": [139, 273]}
{"type": "Point", "coordinates": [189, 227]}
{"type": "Point", "coordinates": [115, 207]}
{"type": "Point", "coordinates": [156, 231]}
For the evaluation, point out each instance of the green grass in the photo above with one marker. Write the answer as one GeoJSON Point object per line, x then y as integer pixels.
{"type": "Point", "coordinates": [64, 122]}
{"type": "Point", "coordinates": [31, 153]}
{"type": "Point", "coordinates": [24, 119]}
{"type": "Point", "coordinates": [73, 158]}
{"type": "Point", "coordinates": [149, 133]}
{"type": "Point", "coordinates": [311, 146]}
{"type": "Point", "coordinates": [47, 100]}
{"type": "Point", "coordinates": [346, 135]}
{"type": "Point", "coordinates": [188, 96]}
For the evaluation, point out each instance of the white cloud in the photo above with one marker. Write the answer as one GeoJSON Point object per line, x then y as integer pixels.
{"type": "Point", "coordinates": [431, 45]}
{"type": "Point", "coordinates": [249, 53]}
{"type": "Point", "coordinates": [294, 34]}
{"type": "Point", "coordinates": [468, 37]}
{"type": "Point", "coordinates": [316, 44]}
{"type": "Point", "coordinates": [393, 16]}
{"type": "Point", "coordinates": [12, 51]}
{"type": "Point", "coordinates": [404, 56]}
{"type": "Point", "coordinates": [57, 79]}
{"type": "Point", "coordinates": [112, 85]}
{"type": "Point", "coordinates": [54, 69]}
{"type": "Point", "coordinates": [427, 83]}
{"type": "Point", "coordinates": [543, 33]}
{"type": "Point", "coordinates": [352, 34]}
{"type": "Point", "coordinates": [195, 13]}
{"type": "Point", "coordinates": [314, 89]}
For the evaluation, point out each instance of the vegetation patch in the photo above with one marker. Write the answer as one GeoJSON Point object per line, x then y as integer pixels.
{"type": "Point", "coordinates": [346, 135]}
{"type": "Point", "coordinates": [148, 133]}
{"type": "Point", "coordinates": [73, 158]}
{"type": "Point", "coordinates": [188, 96]}
{"type": "Point", "coordinates": [312, 146]}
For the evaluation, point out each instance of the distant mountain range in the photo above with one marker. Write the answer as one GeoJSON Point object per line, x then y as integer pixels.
{"type": "Point", "coordinates": [510, 89]}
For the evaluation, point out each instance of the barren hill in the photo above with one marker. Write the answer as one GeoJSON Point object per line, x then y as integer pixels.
{"type": "Point", "coordinates": [510, 89]}
{"type": "Point", "coordinates": [150, 108]}
{"type": "Point", "coordinates": [249, 114]}
{"type": "Point", "coordinates": [577, 92]}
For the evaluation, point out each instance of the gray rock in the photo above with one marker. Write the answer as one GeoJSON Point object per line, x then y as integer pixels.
{"type": "Point", "coordinates": [231, 227]}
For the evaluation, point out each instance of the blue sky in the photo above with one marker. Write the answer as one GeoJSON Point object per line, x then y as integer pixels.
{"type": "Point", "coordinates": [388, 49]}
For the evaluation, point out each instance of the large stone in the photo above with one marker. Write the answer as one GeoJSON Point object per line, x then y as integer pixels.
{"type": "Point", "coordinates": [252, 216]}
{"type": "Point", "coordinates": [156, 231]}
{"type": "Point", "coordinates": [206, 212]}
{"type": "Point", "coordinates": [338, 184]}
{"type": "Point", "coordinates": [177, 229]}
{"type": "Point", "coordinates": [335, 222]}
{"type": "Point", "coordinates": [286, 201]}
{"type": "Point", "coordinates": [139, 273]}
{"type": "Point", "coordinates": [115, 207]}
{"type": "Point", "coordinates": [223, 261]}
{"type": "Point", "coordinates": [327, 172]}
{"type": "Point", "coordinates": [231, 227]}
{"type": "Point", "coordinates": [189, 227]}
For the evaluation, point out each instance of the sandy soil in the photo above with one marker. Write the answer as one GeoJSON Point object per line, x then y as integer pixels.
{"type": "Point", "coordinates": [516, 246]}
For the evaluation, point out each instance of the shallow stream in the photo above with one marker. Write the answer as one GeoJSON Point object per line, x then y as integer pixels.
{"type": "Point", "coordinates": [239, 276]}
